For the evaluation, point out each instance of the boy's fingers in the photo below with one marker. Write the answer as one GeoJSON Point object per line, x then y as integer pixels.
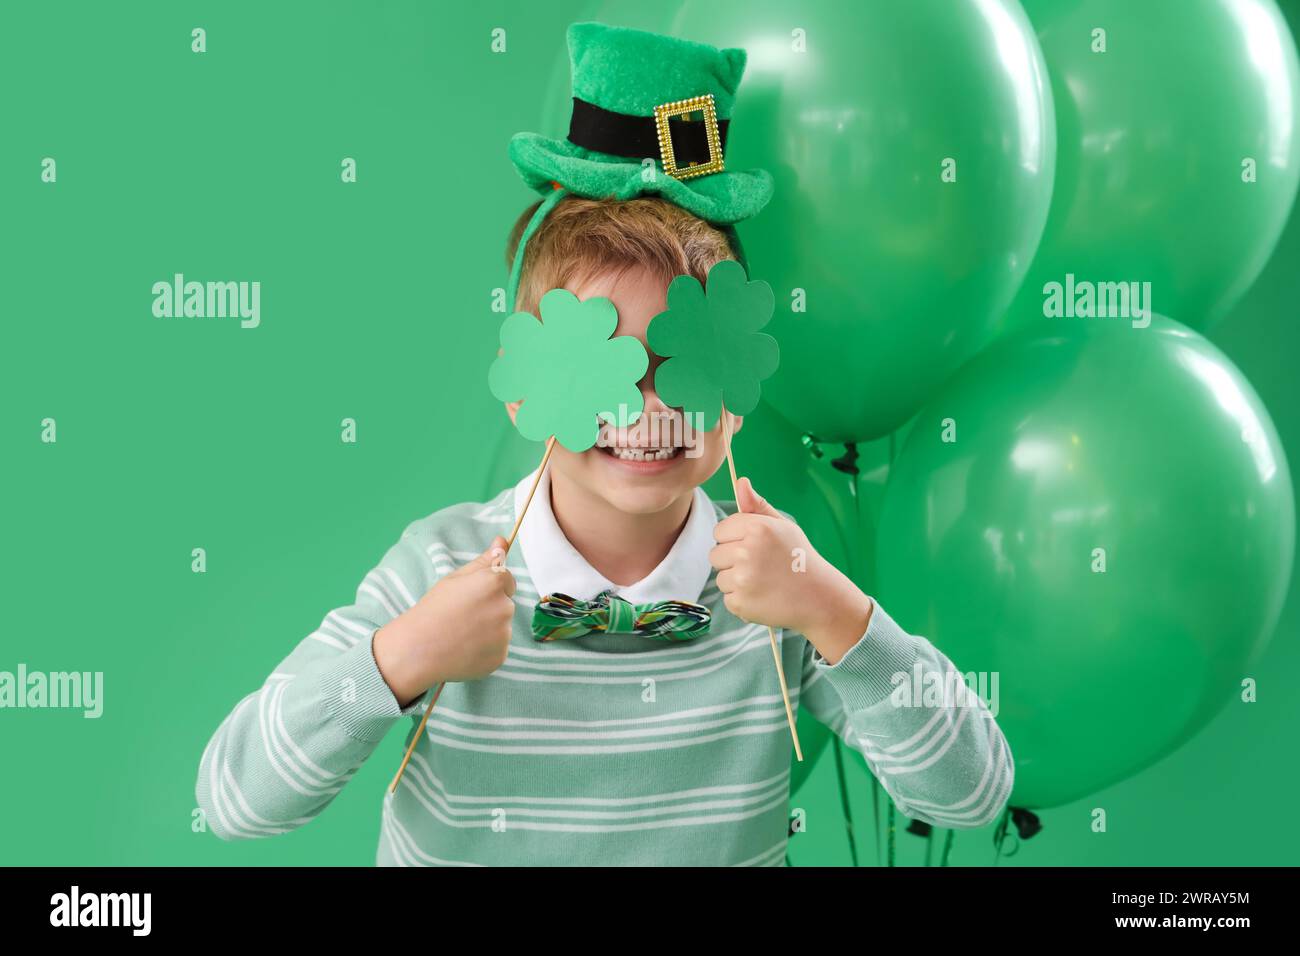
{"type": "Point", "coordinates": [746, 497]}
{"type": "Point", "coordinates": [751, 502]}
{"type": "Point", "coordinates": [507, 581]}
{"type": "Point", "coordinates": [731, 528]}
{"type": "Point", "coordinates": [494, 560]}
{"type": "Point", "coordinates": [726, 555]}
{"type": "Point", "coordinates": [494, 556]}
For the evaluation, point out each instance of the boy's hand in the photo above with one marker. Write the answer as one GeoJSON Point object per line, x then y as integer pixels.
{"type": "Point", "coordinates": [459, 630]}
{"type": "Point", "coordinates": [770, 574]}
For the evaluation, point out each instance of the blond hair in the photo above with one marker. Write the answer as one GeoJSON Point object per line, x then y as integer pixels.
{"type": "Point", "coordinates": [581, 238]}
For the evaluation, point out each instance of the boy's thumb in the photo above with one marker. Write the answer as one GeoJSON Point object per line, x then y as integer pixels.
{"type": "Point", "coordinates": [495, 553]}
{"type": "Point", "coordinates": [751, 502]}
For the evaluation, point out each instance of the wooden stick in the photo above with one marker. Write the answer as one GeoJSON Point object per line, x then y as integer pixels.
{"type": "Point", "coordinates": [541, 469]}
{"type": "Point", "coordinates": [419, 731]}
{"type": "Point", "coordinates": [392, 787]}
{"type": "Point", "coordinates": [771, 634]}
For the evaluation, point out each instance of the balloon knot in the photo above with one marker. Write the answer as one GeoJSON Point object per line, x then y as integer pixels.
{"type": "Point", "coordinates": [1027, 822]}
{"type": "Point", "coordinates": [848, 462]}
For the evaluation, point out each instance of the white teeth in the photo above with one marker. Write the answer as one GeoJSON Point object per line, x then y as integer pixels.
{"type": "Point", "coordinates": [643, 454]}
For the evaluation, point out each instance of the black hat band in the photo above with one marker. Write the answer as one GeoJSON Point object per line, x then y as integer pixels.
{"type": "Point", "coordinates": [620, 134]}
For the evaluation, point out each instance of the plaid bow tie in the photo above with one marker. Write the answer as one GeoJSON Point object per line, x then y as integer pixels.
{"type": "Point", "coordinates": [559, 617]}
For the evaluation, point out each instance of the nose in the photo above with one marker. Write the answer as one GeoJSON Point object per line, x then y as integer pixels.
{"type": "Point", "coordinates": [653, 403]}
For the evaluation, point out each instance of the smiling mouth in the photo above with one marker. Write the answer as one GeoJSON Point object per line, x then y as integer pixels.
{"type": "Point", "coordinates": [642, 443]}
{"type": "Point", "coordinates": [642, 454]}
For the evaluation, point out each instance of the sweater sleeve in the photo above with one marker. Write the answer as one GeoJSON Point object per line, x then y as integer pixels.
{"type": "Point", "coordinates": [939, 753]}
{"type": "Point", "coordinates": [287, 749]}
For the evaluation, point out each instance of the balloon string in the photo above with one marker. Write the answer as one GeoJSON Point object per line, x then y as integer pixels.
{"type": "Point", "coordinates": [892, 828]}
{"type": "Point", "coordinates": [947, 847]}
{"type": "Point", "coordinates": [419, 731]}
{"type": "Point", "coordinates": [875, 783]}
{"type": "Point", "coordinates": [841, 777]}
{"type": "Point", "coordinates": [845, 804]}
{"type": "Point", "coordinates": [1000, 835]}
{"type": "Point", "coordinates": [891, 802]}
{"type": "Point", "coordinates": [875, 813]}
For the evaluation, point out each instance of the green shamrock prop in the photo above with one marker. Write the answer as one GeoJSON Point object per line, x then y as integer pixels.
{"type": "Point", "coordinates": [715, 356]}
{"type": "Point", "coordinates": [715, 353]}
{"type": "Point", "coordinates": [568, 371]}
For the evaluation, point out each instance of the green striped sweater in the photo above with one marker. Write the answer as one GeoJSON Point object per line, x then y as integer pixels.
{"type": "Point", "coordinates": [615, 750]}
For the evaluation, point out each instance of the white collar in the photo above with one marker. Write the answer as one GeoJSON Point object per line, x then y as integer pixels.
{"type": "Point", "coordinates": [556, 566]}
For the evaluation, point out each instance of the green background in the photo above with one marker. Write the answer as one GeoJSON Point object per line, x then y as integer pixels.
{"type": "Point", "coordinates": [376, 305]}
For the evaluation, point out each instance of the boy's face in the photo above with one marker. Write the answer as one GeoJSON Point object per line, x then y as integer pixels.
{"type": "Point", "coordinates": [647, 467]}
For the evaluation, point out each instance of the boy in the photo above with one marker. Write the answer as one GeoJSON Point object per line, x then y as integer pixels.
{"type": "Point", "coordinates": [604, 748]}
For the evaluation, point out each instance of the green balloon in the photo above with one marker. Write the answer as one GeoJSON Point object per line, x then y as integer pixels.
{"type": "Point", "coordinates": [1104, 518]}
{"type": "Point", "coordinates": [1158, 138]}
{"type": "Point", "coordinates": [862, 112]}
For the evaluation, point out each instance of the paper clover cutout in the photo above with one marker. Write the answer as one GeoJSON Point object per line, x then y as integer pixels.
{"type": "Point", "coordinates": [715, 354]}
{"type": "Point", "coordinates": [567, 370]}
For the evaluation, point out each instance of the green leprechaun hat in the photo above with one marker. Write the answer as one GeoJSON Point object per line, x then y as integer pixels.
{"type": "Point", "coordinates": [639, 96]}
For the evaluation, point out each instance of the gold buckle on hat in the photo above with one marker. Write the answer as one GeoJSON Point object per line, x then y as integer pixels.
{"type": "Point", "coordinates": [696, 104]}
